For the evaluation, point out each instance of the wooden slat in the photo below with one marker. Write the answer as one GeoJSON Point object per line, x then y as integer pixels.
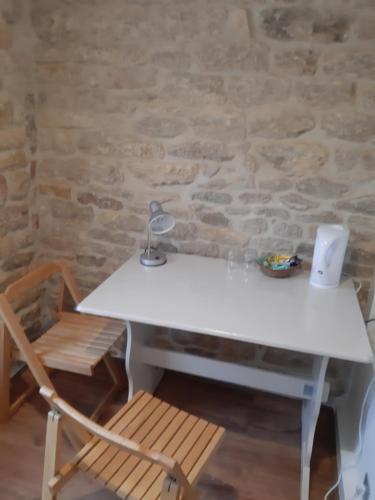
{"type": "Point", "coordinates": [142, 466]}
{"type": "Point", "coordinates": [90, 320]}
{"type": "Point", "coordinates": [169, 448]}
{"type": "Point", "coordinates": [199, 447]}
{"type": "Point", "coordinates": [55, 343]}
{"type": "Point", "coordinates": [43, 350]}
{"type": "Point", "coordinates": [179, 455]}
{"type": "Point", "coordinates": [146, 436]}
{"type": "Point", "coordinates": [89, 328]}
{"type": "Point", "coordinates": [112, 457]}
{"type": "Point", "coordinates": [126, 420]}
{"type": "Point", "coordinates": [194, 473]}
{"type": "Point", "coordinates": [79, 333]}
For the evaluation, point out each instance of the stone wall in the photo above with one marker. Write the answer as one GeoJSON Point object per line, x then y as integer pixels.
{"type": "Point", "coordinates": [251, 120]}
{"type": "Point", "coordinates": [18, 221]}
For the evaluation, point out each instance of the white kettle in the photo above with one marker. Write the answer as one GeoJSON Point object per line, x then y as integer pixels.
{"type": "Point", "coordinates": [329, 252]}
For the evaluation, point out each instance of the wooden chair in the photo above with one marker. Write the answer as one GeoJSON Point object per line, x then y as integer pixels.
{"type": "Point", "coordinates": [75, 343]}
{"type": "Point", "coordinates": [149, 450]}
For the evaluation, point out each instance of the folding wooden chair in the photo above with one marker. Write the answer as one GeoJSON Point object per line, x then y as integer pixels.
{"type": "Point", "coordinates": [75, 343]}
{"type": "Point", "coordinates": [149, 450]}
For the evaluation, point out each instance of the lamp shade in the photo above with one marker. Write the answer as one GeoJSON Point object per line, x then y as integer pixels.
{"type": "Point", "coordinates": [160, 222]}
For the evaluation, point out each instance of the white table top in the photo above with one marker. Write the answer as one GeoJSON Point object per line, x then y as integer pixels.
{"type": "Point", "coordinates": [198, 294]}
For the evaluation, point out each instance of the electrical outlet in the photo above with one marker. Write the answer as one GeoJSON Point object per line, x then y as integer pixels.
{"type": "Point", "coordinates": [366, 489]}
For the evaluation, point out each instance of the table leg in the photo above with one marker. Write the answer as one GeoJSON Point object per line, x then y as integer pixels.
{"type": "Point", "coordinates": [310, 414]}
{"type": "Point", "coordinates": [140, 375]}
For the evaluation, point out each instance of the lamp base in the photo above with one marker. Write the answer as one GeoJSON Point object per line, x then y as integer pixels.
{"type": "Point", "coordinates": [153, 258]}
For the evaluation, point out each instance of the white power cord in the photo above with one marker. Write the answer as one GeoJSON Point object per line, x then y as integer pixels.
{"type": "Point", "coordinates": [359, 447]}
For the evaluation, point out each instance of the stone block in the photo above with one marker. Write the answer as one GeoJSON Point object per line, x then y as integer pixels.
{"type": "Point", "coordinates": [221, 235]}
{"type": "Point", "coordinates": [116, 144]}
{"type": "Point", "coordinates": [106, 203]}
{"type": "Point", "coordinates": [366, 95]}
{"type": "Point", "coordinates": [3, 191]}
{"type": "Point", "coordinates": [321, 187]}
{"type": "Point", "coordinates": [280, 122]}
{"type": "Point", "coordinates": [12, 138]}
{"type": "Point", "coordinates": [205, 249]}
{"type": "Point", "coordinates": [324, 217]}
{"type": "Point", "coordinates": [213, 218]}
{"type": "Point", "coordinates": [11, 160]}
{"type": "Point", "coordinates": [165, 174]}
{"type": "Point", "coordinates": [219, 125]}
{"type": "Point", "coordinates": [13, 217]}
{"type": "Point", "coordinates": [349, 125]}
{"type": "Point", "coordinates": [254, 226]}
{"type": "Point", "coordinates": [362, 228]}
{"type": "Point", "coordinates": [199, 150]}
{"type": "Point", "coordinates": [285, 230]}
{"type": "Point", "coordinates": [298, 62]}
{"type": "Point", "coordinates": [364, 26]}
{"type": "Point", "coordinates": [17, 261]}
{"type": "Point", "coordinates": [230, 24]}
{"type": "Point", "coordinates": [293, 158]}
{"type": "Point", "coordinates": [67, 210]}
{"type": "Point", "coordinates": [276, 184]}
{"type": "Point", "coordinates": [304, 23]}
{"type": "Point", "coordinates": [184, 231]}
{"type": "Point", "coordinates": [274, 245]}
{"type": "Point", "coordinates": [272, 213]}
{"type": "Point", "coordinates": [119, 238]}
{"type": "Point", "coordinates": [57, 190]}
{"type": "Point", "coordinates": [5, 38]}
{"type": "Point", "coordinates": [19, 184]}
{"type": "Point", "coordinates": [121, 222]}
{"type": "Point", "coordinates": [213, 197]}
{"type": "Point", "coordinates": [353, 62]}
{"type": "Point", "coordinates": [191, 88]}
{"type": "Point", "coordinates": [332, 94]}
{"type": "Point", "coordinates": [254, 197]}
{"type": "Point", "coordinates": [253, 91]}
{"type": "Point", "coordinates": [175, 60]}
{"type": "Point", "coordinates": [360, 205]}
{"type": "Point", "coordinates": [235, 57]}
{"type": "Point", "coordinates": [160, 127]}
{"type": "Point", "coordinates": [90, 260]}
{"type": "Point", "coordinates": [355, 164]}
{"type": "Point", "coordinates": [6, 113]}
{"type": "Point", "coordinates": [295, 201]}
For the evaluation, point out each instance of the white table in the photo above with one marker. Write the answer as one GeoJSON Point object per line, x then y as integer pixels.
{"type": "Point", "coordinates": [197, 294]}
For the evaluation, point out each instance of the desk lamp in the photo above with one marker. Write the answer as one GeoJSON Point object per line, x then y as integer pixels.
{"type": "Point", "coordinates": [159, 222]}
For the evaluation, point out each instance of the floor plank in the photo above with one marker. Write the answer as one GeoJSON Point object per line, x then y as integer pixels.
{"type": "Point", "coordinates": [258, 460]}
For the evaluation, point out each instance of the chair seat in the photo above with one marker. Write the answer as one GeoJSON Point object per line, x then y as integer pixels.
{"type": "Point", "coordinates": [77, 342]}
{"type": "Point", "coordinates": [155, 425]}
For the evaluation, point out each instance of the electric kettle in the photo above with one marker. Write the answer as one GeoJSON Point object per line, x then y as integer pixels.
{"type": "Point", "coordinates": [329, 252]}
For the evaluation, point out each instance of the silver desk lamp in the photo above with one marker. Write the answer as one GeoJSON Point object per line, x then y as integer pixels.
{"type": "Point", "coordinates": [160, 222]}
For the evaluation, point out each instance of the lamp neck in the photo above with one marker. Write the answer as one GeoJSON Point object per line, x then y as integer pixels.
{"type": "Point", "coordinates": [148, 238]}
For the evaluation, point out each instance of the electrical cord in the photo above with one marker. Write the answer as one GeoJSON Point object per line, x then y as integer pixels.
{"type": "Point", "coordinates": [359, 446]}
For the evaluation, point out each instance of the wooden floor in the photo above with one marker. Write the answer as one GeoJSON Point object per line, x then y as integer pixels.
{"type": "Point", "coordinates": [258, 460]}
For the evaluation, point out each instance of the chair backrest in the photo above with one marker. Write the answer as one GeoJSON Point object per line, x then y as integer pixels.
{"type": "Point", "coordinates": [13, 291]}
{"type": "Point", "coordinates": [42, 273]}
{"type": "Point", "coordinates": [169, 465]}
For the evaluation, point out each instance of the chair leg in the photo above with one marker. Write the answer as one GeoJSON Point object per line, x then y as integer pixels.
{"type": "Point", "coordinates": [118, 385]}
{"type": "Point", "coordinates": [5, 360]}
{"type": "Point", "coordinates": [117, 377]}
{"type": "Point", "coordinates": [53, 437]}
